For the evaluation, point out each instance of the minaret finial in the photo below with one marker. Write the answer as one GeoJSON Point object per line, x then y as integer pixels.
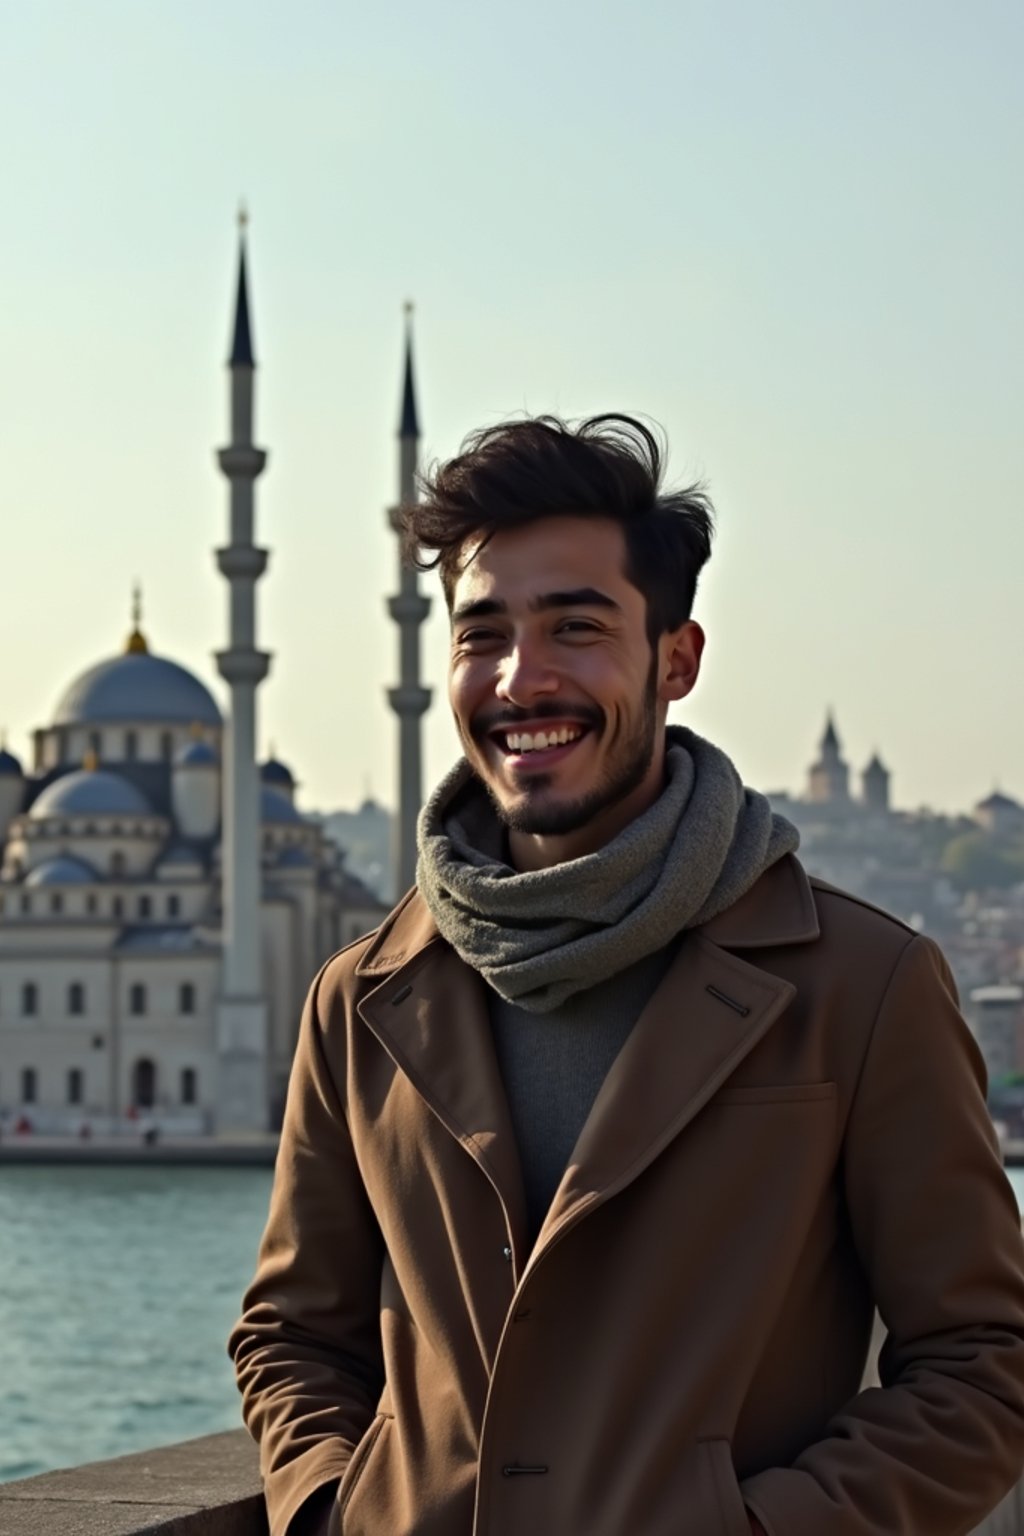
{"type": "Point", "coordinates": [408, 422]}
{"type": "Point", "coordinates": [241, 344]}
{"type": "Point", "coordinates": [136, 644]}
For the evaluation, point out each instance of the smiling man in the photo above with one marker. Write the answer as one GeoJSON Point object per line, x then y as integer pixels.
{"type": "Point", "coordinates": [601, 1152]}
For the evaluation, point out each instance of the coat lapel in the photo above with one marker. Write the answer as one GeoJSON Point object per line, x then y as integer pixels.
{"type": "Point", "coordinates": [430, 1015]}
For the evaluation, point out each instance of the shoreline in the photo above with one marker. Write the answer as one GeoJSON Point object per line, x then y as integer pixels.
{"type": "Point", "coordinates": [176, 1151]}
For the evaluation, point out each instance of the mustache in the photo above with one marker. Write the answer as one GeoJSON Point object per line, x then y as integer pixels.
{"type": "Point", "coordinates": [550, 709]}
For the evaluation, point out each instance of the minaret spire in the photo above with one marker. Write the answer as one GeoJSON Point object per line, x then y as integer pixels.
{"type": "Point", "coordinates": [243, 1094]}
{"type": "Point", "coordinates": [409, 608]}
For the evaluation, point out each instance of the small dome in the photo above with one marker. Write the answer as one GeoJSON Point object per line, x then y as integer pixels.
{"type": "Point", "coordinates": [277, 807]}
{"type": "Point", "coordinates": [998, 802]}
{"type": "Point", "coordinates": [9, 765]}
{"type": "Point", "coordinates": [63, 870]}
{"type": "Point", "coordinates": [196, 754]}
{"type": "Point", "coordinates": [85, 793]}
{"type": "Point", "coordinates": [275, 772]}
{"type": "Point", "coordinates": [137, 686]}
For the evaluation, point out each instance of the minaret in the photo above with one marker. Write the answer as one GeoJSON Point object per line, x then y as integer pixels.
{"type": "Point", "coordinates": [409, 608]}
{"type": "Point", "coordinates": [243, 1089]}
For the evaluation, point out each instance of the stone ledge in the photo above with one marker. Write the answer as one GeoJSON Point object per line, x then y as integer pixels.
{"type": "Point", "coordinates": [204, 1487]}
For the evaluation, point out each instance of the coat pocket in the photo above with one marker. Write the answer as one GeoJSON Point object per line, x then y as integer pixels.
{"type": "Point", "coordinates": [361, 1457]}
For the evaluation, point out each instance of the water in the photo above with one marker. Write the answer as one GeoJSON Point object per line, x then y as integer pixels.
{"type": "Point", "coordinates": [118, 1287]}
{"type": "Point", "coordinates": [117, 1290]}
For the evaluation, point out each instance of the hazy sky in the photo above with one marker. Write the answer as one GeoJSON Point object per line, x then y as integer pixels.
{"type": "Point", "coordinates": [793, 234]}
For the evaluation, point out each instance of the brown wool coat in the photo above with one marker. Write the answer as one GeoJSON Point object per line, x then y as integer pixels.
{"type": "Point", "coordinates": [794, 1130]}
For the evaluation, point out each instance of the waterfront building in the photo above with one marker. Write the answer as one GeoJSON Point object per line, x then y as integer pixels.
{"type": "Point", "coordinates": [164, 902]}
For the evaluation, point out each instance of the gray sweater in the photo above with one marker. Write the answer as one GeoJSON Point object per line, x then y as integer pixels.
{"type": "Point", "coordinates": [553, 1064]}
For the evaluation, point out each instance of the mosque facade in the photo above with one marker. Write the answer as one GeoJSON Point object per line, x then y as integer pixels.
{"type": "Point", "coordinates": [164, 902]}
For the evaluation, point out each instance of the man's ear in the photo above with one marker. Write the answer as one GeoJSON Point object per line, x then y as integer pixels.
{"type": "Point", "coordinates": [679, 654]}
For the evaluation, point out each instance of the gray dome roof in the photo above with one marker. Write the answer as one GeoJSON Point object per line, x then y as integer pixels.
{"type": "Point", "coordinates": [196, 754]}
{"type": "Point", "coordinates": [137, 686]}
{"type": "Point", "coordinates": [273, 771]}
{"type": "Point", "coordinates": [63, 870]}
{"type": "Point", "coordinates": [277, 807]}
{"type": "Point", "coordinates": [89, 792]}
{"type": "Point", "coordinates": [9, 765]}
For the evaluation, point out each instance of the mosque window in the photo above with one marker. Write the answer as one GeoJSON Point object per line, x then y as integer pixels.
{"type": "Point", "coordinates": [144, 1083]}
{"type": "Point", "coordinates": [95, 742]}
{"type": "Point", "coordinates": [90, 902]}
{"type": "Point", "coordinates": [166, 746]}
{"type": "Point", "coordinates": [117, 863]}
{"type": "Point", "coordinates": [173, 906]}
{"type": "Point", "coordinates": [131, 746]}
{"type": "Point", "coordinates": [186, 998]}
{"type": "Point", "coordinates": [137, 998]}
{"type": "Point", "coordinates": [29, 999]}
{"type": "Point", "coordinates": [117, 907]}
{"type": "Point", "coordinates": [74, 1085]}
{"type": "Point", "coordinates": [29, 1085]}
{"type": "Point", "coordinates": [188, 1085]}
{"type": "Point", "coordinates": [145, 906]}
{"type": "Point", "coordinates": [98, 1042]}
{"type": "Point", "coordinates": [76, 998]}
{"type": "Point", "coordinates": [26, 903]}
{"type": "Point", "coordinates": [62, 746]}
{"type": "Point", "coordinates": [56, 902]}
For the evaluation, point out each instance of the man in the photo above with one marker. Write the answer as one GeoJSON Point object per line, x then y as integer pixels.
{"type": "Point", "coordinates": [599, 1154]}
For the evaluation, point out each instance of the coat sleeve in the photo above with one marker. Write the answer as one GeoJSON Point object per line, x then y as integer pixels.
{"type": "Point", "coordinates": [307, 1347]}
{"type": "Point", "coordinates": [938, 1231]}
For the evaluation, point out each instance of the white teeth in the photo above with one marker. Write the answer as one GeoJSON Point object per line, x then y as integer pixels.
{"type": "Point", "coordinates": [538, 741]}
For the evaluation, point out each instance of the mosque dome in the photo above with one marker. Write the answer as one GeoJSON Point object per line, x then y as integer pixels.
{"type": "Point", "coordinates": [196, 754]}
{"type": "Point", "coordinates": [90, 793]}
{"type": "Point", "coordinates": [9, 765]}
{"type": "Point", "coordinates": [62, 870]}
{"type": "Point", "coordinates": [137, 686]}
{"type": "Point", "coordinates": [276, 807]}
{"type": "Point", "coordinates": [273, 771]}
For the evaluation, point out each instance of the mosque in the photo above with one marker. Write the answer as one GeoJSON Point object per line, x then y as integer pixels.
{"type": "Point", "coordinates": [164, 903]}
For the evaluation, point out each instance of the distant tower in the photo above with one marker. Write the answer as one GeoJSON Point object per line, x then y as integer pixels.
{"type": "Point", "coordinates": [410, 700]}
{"type": "Point", "coordinates": [875, 785]}
{"type": "Point", "coordinates": [242, 1097]}
{"type": "Point", "coordinates": [829, 778]}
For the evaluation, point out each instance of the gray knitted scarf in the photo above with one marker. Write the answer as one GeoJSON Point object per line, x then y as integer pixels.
{"type": "Point", "coordinates": [537, 937]}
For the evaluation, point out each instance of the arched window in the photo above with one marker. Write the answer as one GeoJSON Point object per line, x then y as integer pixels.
{"type": "Point", "coordinates": [74, 1085]}
{"type": "Point", "coordinates": [136, 998]}
{"type": "Point", "coordinates": [62, 747]}
{"type": "Point", "coordinates": [26, 903]}
{"type": "Point", "coordinates": [56, 902]}
{"type": "Point", "coordinates": [117, 863]}
{"type": "Point", "coordinates": [186, 998]}
{"type": "Point", "coordinates": [90, 902]}
{"type": "Point", "coordinates": [188, 1085]}
{"type": "Point", "coordinates": [144, 1083]}
{"type": "Point", "coordinates": [166, 746]}
{"type": "Point", "coordinates": [28, 1085]}
{"type": "Point", "coordinates": [76, 998]}
{"type": "Point", "coordinates": [145, 906]}
{"type": "Point", "coordinates": [117, 907]}
{"type": "Point", "coordinates": [131, 746]}
{"type": "Point", "coordinates": [29, 998]}
{"type": "Point", "coordinates": [173, 906]}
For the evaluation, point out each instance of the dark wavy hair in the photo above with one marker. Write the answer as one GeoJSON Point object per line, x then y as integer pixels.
{"type": "Point", "coordinates": [606, 466]}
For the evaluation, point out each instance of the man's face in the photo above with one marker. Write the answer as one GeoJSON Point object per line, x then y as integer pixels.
{"type": "Point", "coordinates": [558, 697]}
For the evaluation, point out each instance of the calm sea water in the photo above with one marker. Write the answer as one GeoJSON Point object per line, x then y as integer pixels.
{"type": "Point", "coordinates": [117, 1290]}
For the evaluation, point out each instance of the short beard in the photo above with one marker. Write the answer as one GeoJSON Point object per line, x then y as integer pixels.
{"type": "Point", "coordinates": [557, 820]}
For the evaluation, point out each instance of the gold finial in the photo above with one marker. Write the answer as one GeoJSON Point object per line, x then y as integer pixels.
{"type": "Point", "coordinates": [91, 760]}
{"type": "Point", "coordinates": [136, 642]}
{"type": "Point", "coordinates": [243, 217]}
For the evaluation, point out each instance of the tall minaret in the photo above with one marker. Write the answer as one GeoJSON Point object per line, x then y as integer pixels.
{"type": "Point", "coordinates": [243, 1088]}
{"type": "Point", "coordinates": [409, 608]}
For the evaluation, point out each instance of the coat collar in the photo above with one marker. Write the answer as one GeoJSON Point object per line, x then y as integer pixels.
{"type": "Point", "coordinates": [429, 1011]}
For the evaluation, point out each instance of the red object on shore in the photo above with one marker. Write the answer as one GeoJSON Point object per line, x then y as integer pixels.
{"type": "Point", "coordinates": [23, 1126]}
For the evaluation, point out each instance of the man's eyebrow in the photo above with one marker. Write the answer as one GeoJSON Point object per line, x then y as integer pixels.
{"type": "Point", "coordinates": [579, 597]}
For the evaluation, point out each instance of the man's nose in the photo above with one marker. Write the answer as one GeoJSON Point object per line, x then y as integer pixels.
{"type": "Point", "coordinates": [526, 674]}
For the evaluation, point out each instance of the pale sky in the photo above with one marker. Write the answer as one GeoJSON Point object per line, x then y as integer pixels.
{"type": "Point", "coordinates": [793, 234]}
